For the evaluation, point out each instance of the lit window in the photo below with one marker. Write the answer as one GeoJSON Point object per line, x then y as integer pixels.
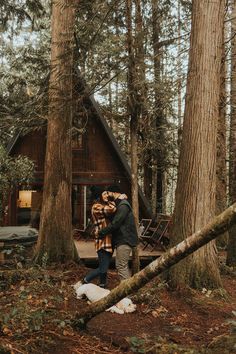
{"type": "Point", "coordinates": [25, 198]}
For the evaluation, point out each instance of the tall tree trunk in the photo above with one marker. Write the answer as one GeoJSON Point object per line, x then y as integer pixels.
{"type": "Point", "coordinates": [133, 111]}
{"type": "Point", "coordinates": [158, 111]}
{"type": "Point", "coordinates": [140, 82]}
{"type": "Point", "coordinates": [196, 184]}
{"type": "Point", "coordinates": [55, 242]}
{"type": "Point", "coordinates": [221, 175]}
{"type": "Point", "coordinates": [110, 91]}
{"type": "Point", "coordinates": [179, 78]}
{"type": "Point", "coordinates": [148, 173]}
{"type": "Point", "coordinates": [231, 251]}
{"type": "Point", "coordinates": [209, 232]}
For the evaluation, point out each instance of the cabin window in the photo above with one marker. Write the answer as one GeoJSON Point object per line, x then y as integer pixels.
{"type": "Point", "coordinates": [77, 142]}
{"type": "Point", "coordinates": [25, 199]}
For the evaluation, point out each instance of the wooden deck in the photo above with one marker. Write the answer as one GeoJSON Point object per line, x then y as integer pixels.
{"type": "Point", "coordinates": [87, 252]}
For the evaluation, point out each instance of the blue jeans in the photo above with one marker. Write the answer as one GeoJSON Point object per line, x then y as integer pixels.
{"type": "Point", "coordinates": [104, 259]}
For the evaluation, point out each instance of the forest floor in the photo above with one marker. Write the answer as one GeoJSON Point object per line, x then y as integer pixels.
{"type": "Point", "coordinates": [38, 305]}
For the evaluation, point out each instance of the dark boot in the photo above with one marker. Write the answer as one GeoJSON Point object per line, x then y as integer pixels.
{"type": "Point", "coordinates": [103, 280]}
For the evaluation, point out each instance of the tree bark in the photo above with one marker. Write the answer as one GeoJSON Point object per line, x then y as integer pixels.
{"type": "Point", "coordinates": [231, 250]}
{"type": "Point", "coordinates": [141, 84]}
{"type": "Point", "coordinates": [196, 184]}
{"type": "Point", "coordinates": [158, 110]}
{"type": "Point", "coordinates": [216, 227]}
{"type": "Point", "coordinates": [221, 174]}
{"type": "Point", "coordinates": [55, 243]}
{"type": "Point", "coordinates": [179, 78]}
{"type": "Point", "coordinates": [134, 114]}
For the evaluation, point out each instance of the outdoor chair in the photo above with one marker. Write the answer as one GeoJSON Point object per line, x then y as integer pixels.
{"type": "Point", "coordinates": [143, 231]}
{"type": "Point", "coordinates": [146, 228]}
{"type": "Point", "coordinates": [157, 233]}
{"type": "Point", "coordinates": [143, 226]}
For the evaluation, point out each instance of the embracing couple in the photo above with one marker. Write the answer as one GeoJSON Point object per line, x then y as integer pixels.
{"type": "Point", "coordinates": [115, 229]}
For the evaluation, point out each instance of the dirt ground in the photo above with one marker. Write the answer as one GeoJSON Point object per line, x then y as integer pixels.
{"type": "Point", "coordinates": [37, 308]}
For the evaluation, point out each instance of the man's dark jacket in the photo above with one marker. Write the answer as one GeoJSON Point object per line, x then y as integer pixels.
{"type": "Point", "coordinates": [122, 227]}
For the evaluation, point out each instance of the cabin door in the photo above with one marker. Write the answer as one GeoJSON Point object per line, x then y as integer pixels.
{"type": "Point", "coordinates": [81, 206]}
{"type": "Point", "coordinates": [28, 207]}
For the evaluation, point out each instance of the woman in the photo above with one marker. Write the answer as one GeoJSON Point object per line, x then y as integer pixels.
{"type": "Point", "coordinates": [101, 212]}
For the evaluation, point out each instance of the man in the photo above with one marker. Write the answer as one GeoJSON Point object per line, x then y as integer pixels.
{"type": "Point", "coordinates": [122, 228]}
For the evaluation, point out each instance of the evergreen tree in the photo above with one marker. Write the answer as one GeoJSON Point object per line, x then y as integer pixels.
{"type": "Point", "coordinates": [196, 185]}
{"type": "Point", "coordinates": [55, 241]}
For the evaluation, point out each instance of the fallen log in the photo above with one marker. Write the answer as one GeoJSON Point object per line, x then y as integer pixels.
{"type": "Point", "coordinates": [219, 225]}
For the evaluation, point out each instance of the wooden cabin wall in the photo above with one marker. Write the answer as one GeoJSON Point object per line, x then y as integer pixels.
{"type": "Point", "coordinates": [32, 145]}
{"type": "Point", "coordinates": [97, 160]}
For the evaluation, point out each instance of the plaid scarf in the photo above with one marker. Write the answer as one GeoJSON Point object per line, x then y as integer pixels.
{"type": "Point", "coordinates": [100, 212]}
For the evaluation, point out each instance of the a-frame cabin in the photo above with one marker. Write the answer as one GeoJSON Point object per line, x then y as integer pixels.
{"type": "Point", "coordinates": [96, 160]}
